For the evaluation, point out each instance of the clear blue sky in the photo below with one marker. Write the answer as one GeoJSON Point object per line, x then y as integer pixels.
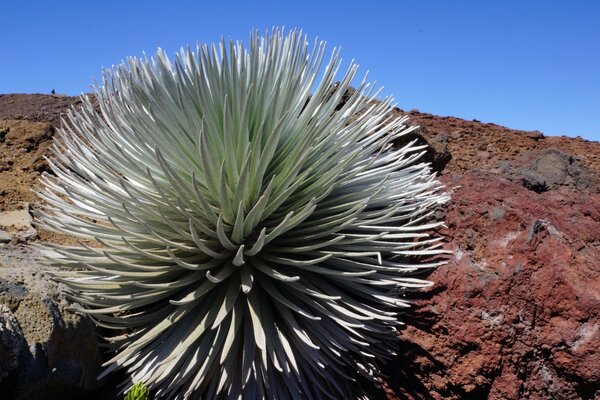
{"type": "Point", "coordinates": [522, 64]}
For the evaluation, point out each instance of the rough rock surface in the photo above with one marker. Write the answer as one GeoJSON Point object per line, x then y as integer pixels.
{"type": "Point", "coordinates": [12, 342]}
{"type": "Point", "coordinates": [489, 147]}
{"type": "Point", "coordinates": [16, 226]}
{"type": "Point", "coordinates": [554, 169]}
{"type": "Point", "coordinates": [23, 145]}
{"type": "Point", "coordinates": [36, 107]}
{"type": "Point", "coordinates": [515, 312]}
{"type": "Point", "coordinates": [46, 351]}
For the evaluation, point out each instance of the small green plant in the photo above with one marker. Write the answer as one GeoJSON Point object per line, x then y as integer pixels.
{"type": "Point", "coordinates": [139, 391]}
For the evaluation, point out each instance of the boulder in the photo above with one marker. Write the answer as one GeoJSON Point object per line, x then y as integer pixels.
{"type": "Point", "coordinates": [46, 351]}
{"type": "Point", "coordinates": [554, 169]}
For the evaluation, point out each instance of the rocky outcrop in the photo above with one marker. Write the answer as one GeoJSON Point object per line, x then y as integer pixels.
{"type": "Point", "coordinates": [46, 351]}
{"type": "Point", "coordinates": [515, 314]}
{"type": "Point", "coordinates": [36, 107]}
{"type": "Point", "coordinates": [475, 145]}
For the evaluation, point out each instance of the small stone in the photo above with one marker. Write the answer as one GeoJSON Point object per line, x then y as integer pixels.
{"type": "Point", "coordinates": [4, 236]}
{"type": "Point", "coordinates": [27, 235]}
{"type": "Point", "coordinates": [19, 219]}
{"type": "Point", "coordinates": [497, 213]}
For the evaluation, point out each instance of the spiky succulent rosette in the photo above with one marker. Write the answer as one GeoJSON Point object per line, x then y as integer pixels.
{"type": "Point", "coordinates": [254, 232]}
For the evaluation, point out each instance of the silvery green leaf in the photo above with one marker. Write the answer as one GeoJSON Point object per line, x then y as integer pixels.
{"type": "Point", "coordinates": [255, 226]}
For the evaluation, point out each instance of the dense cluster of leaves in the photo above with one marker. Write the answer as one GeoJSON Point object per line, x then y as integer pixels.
{"type": "Point", "coordinates": [254, 234]}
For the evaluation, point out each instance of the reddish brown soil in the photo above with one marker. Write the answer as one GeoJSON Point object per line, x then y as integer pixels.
{"type": "Point", "coordinates": [489, 147]}
{"type": "Point", "coordinates": [515, 314]}
{"type": "Point", "coordinates": [36, 107]}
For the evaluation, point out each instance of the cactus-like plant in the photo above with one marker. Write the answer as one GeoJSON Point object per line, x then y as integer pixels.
{"type": "Point", "coordinates": [139, 391]}
{"type": "Point", "coordinates": [254, 233]}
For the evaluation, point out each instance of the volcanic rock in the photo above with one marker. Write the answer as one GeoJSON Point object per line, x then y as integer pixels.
{"type": "Point", "coordinates": [47, 352]}
{"type": "Point", "coordinates": [554, 169]}
{"type": "Point", "coordinates": [21, 160]}
{"type": "Point", "coordinates": [36, 107]}
{"type": "Point", "coordinates": [514, 314]}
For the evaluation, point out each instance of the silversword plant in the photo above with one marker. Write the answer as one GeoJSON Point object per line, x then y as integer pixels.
{"type": "Point", "coordinates": [254, 234]}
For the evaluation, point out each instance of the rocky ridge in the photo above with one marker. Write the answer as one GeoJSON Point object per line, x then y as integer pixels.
{"type": "Point", "coordinates": [514, 314]}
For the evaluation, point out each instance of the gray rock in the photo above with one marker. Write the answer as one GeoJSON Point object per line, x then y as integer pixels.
{"type": "Point", "coordinates": [27, 235]}
{"type": "Point", "coordinates": [437, 153]}
{"type": "Point", "coordinates": [12, 341]}
{"type": "Point", "coordinates": [46, 351]}
{"type": "Point", "coordinates": [19, 219]}
{"type": "Point", "coordinates": [554, 169]}
{"type": "Point", "coordinates": [4, 236]}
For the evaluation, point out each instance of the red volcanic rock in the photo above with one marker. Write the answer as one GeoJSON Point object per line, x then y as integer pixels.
{"type": "Point", "coordinates": [516, 312]}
